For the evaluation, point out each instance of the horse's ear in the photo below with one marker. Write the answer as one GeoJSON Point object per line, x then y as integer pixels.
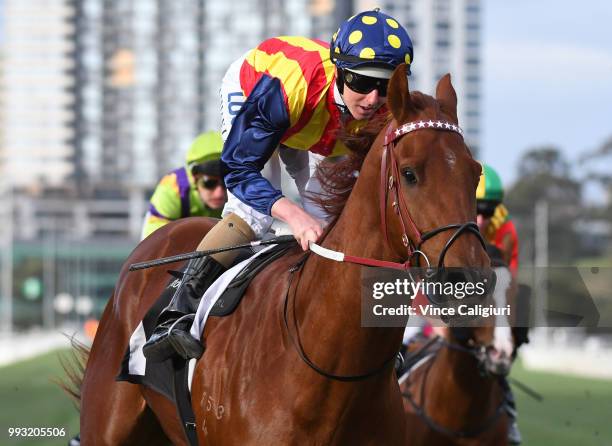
{"type": "Point", "coordinates": [446, 96]}
{"type": "Point", "coordinates": [398, 97]}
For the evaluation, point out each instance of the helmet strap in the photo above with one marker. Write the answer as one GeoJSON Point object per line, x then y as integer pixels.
{"type": "Point", "coordinates": [339, 100]}
{"type": "Point", "coordinates": [340, 79]}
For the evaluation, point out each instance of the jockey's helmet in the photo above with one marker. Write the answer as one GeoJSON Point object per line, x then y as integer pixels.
{"type": "Point", "coordinates": [372, 44]}
{"type": "Point", "coordinates": [490, 191]}
{"type": "Point", "coordinates": [204, 154]}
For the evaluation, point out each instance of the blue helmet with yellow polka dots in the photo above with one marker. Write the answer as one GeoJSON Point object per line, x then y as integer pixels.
{"type": "Point", "coordinates": [371, 43]}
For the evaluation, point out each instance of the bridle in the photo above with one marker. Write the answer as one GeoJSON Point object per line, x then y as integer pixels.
{"type": "Point", "coordinates": [478, 352]}
{"type": "Point", "coordinates": [390, 185]}
{"type": "Point", "coordinates": [390, 168]}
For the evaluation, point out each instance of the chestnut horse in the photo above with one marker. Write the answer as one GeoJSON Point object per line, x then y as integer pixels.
{"type": "Point", "coordinates": [292, 364]}
{"type": "Point", "coordinates": [455, 397]}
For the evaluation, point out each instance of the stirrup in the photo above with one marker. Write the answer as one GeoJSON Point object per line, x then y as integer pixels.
{"type": "Point", "coordinates": [185, 345]}
{"type": "Point", "coordinates": [173, 341]}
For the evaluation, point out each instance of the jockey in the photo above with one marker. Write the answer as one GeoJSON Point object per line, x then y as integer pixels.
{"type": "Point", "coordinates": [496, 226]}
{"type": "Point", "coordinates": [493, 218]}
{"type": "Point", "coordinates": [197, 189]}
{"type": "Point", "coordinates": [287, 98]}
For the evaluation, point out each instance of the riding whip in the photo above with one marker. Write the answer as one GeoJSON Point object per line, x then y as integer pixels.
{"type": "Point", "coordinates": [532, 393]}
{"type": "Point", "coordinates": [196, 254]}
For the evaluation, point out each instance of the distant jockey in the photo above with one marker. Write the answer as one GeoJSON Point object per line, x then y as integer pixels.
{"type": "Point", "coordinates": [197, 189]}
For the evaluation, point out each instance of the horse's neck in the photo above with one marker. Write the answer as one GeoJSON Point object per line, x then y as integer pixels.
{"type": "Point", "coordinates": [328, 301]}
{"type": "Point", "coordinates": [457, 373]}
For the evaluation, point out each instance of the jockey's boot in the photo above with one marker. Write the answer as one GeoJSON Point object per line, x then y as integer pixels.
{"type": "Point", "coordinates": [171, 335]}
{"type": "Point", "coordinates": [514, 434]}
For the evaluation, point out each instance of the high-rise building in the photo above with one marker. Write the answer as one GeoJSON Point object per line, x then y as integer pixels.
{"type": "Point", "coordinates": [141, 84]}
{"type": "Point", "coordinates": [232, 28]}
{"type": "Point", "coordinates": [446, 38]}
{"type": "Point", "coordinates": [114, 91]}
{"type": "Point", "coordinates": [36, 99]}
{"type": "Point", "coordinates": [151, 73]}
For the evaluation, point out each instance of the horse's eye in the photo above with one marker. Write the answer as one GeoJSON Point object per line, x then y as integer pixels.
{"type": "Point", "coordinates": [410, 176]}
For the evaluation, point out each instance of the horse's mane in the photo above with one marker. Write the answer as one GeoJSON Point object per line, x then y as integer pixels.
{"type": "Point", "coordinates": [337, 178]}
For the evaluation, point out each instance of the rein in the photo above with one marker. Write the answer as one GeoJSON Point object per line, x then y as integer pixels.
{"type": "Point", "coordinates": [297, 343]}
{"type": "Point", "coordinates": [420, 410]}
{"type": "Point", "coordinates": [388, 162]}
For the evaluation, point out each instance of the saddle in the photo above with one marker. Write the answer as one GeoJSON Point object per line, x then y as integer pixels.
{"type": "Point", "coordinates": [171, 377]}
{"type": "Point", "coordinates": [229, 300]}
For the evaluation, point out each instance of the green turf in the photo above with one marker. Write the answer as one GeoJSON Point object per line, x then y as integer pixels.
{"type": "Point", "coordinates": [29, 398]}
{"type": "Point", "coordinates": [575, 411]}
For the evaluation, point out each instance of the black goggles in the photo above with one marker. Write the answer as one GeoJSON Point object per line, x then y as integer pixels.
{"type": "Point", "coordinates": [210, 183]}
{"type": "Point", "coordinates": [363, 84]}
{"type": "Point", "coordinates": [486, 208]}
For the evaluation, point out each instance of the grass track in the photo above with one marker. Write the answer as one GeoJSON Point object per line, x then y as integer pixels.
{"type": "Point", "coordinates": [29, 398]}
{"type": "Point", "coordinates": [575, 411]}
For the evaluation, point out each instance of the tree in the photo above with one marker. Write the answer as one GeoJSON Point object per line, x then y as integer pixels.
{"type": "Point", "coordinates": [596, 159]}
{"type": "Point", "coordinates": [543, 161]}
{"type": "Point", "coordinates": [544, 174]}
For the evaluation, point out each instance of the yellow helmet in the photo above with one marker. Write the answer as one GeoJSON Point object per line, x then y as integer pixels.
{"type": "Point", "coordinates": [204, 154]}
{"type": "Point", "coordinates": [206, 147]}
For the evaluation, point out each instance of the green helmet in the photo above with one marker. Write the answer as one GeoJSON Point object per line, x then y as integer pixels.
{"type": "Point", "coordinates": [490, 186]}
{"type": "Point", "coordinates": [206, 147]}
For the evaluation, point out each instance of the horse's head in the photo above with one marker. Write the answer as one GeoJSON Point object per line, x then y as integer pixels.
{"type": "Point", "coordinates": [491, 339]}
{"type": "Point", "coordinates": [490, 343]}
{"type": "Point", "coordinates": [430, 179]}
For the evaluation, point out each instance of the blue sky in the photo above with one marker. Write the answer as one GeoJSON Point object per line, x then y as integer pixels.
{"type": "Point", "coordinates": [547, 78]}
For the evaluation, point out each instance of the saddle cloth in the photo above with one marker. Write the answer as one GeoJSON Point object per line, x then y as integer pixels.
{"type": "Point", "coordinates": [134, 367]}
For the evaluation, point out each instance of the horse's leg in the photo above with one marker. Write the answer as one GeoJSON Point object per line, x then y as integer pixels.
{"type": "Point", "coordinates": [120, 413]}
{"type": "Point", "coordinates": [114, 413]}
{"type": "Point", "coordinates": [159, 404]}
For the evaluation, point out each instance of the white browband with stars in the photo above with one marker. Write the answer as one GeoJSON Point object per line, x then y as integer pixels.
{"type": "Point", "coordinates": [420, 125]}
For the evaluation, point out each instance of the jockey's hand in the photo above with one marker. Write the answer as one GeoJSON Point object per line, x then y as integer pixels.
{"type": "Point", "coordinates": [305, 228]}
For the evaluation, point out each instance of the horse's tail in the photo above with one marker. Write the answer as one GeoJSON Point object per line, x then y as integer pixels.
{"type": "Point", "coordinates": [74, 368]}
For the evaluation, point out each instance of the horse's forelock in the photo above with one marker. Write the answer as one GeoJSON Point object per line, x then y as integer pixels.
{"type": "Point", "coordinates": [428, 106]}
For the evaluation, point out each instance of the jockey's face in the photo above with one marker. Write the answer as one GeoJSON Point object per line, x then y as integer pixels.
{"type": "Point", "coordinates": [362, 105]}
{"type": "Point", "coordinates": [482, 222]}
{"type": "Point", "coordinates": [211, 190]}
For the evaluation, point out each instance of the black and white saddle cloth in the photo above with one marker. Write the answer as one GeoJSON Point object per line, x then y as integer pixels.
{"type": "Point", "coordinates": [220, 299]}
